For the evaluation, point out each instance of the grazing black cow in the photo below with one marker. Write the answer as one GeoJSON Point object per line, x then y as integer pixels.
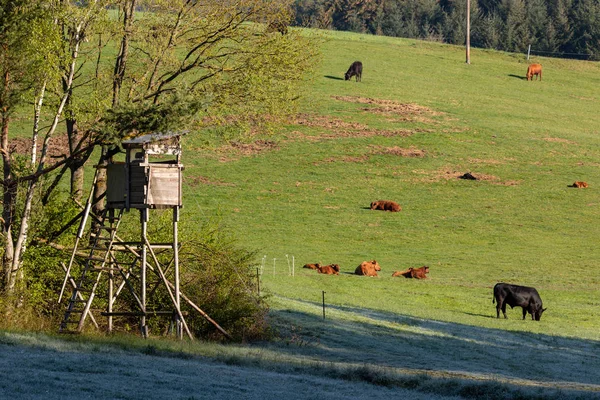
{"type": "Point", "coordinates": [354, 70]}
{"type": "Point", "coordinates": [522, 296]}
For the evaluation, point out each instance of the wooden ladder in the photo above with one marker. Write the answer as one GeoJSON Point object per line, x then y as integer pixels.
{"type": "Point", "coordinates": [99, 260]}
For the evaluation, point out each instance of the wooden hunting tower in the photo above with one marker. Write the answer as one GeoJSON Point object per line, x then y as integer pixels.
{"type": "Point", "coordinates": [143, 183]}
{"type": "Point", "coordinates": [150, 178]}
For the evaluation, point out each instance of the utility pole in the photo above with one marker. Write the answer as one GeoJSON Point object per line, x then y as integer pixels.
{"type": "Point", "coordinates": [468, 31]}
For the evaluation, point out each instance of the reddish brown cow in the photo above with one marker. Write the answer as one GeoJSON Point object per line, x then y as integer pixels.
{"type": "Point", "coordinates": [579, 184]}
{"type": "Point", "coordinates": [386, 205]}
{"type": "Point", "coordinates": [331, 269]}
{"type": "Point", "coordinates": [534, 69]}
{"type": "Point", "coordinates": [405, 273]}
{"type": "Point", "coordinates": [312, 266]}
{"type": "Point", "coordinates": [417, 273]}
{"type": "Point", "coordinates": [368, 268]}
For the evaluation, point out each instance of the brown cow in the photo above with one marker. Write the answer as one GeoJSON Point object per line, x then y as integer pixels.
{"type": "Point", "coordinates": [368, 268]}
{"type": "Point", "coordinates": [417, 273]}
{"type": "Point", "coordinates": [386, 205]}
{"type": "Point", "coordinates": [331, 269]}
{"type": "Point", "coordinates": [312, 266]}
{"type": "Point", "coordinates": [534, 69]}
{"type": "Point", "coordinates": [579, 184]}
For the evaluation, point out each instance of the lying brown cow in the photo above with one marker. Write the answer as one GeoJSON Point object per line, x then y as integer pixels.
{"type": "Point", "coordinates": [534, 69]}
{"type": "Point", "coordinates": [312, 266]}
{"type": "Point", "coordinates": [417, 273]}
{"type": "Point", "coordinates": [386, 205]}
{"type": "Point", "coordinates": [331, 269]}
{"type": "Point", "coordinates": [579, 184]}
{"type": "Point", "coordinates": [368, 268]}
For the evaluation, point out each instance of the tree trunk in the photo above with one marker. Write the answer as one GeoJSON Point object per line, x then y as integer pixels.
{"type": "Point", "coordinates": [8, 206]}
{"type": "Point", "coordinates": [77, 167]}
{"type": "Point", "coordinates": [9, 194]}
{"type": "Point", "coordinates": [119, 73]}
{"type": "Point", "coordinates": [100, 188]}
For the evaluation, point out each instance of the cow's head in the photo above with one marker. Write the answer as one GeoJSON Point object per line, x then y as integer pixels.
{"type": "Point", "coordinates": [347, 76]}
{"type": "Point", "coordinates": [376, 265]}
{"type": "Point", "coordinates": [538, 314]}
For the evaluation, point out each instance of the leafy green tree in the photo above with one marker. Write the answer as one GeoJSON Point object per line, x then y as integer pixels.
{"type": "Point", "coordinates": [179, 65]}
{"type": "Point", "coordinates": [27, 46]}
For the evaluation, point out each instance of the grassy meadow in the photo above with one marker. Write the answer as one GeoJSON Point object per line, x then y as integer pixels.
{"type": "Point", "coordinates": [420, 118]}
{"type": "Point", "coordinates": [305, 192]}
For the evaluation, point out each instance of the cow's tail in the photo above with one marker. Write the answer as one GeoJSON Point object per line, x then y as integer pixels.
{"type": "Point", "coordinates": [493, 299]}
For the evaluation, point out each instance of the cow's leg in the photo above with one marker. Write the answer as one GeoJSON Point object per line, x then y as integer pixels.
{"type": "Point", "coordinates": [524, 312]}
{"type": "Point", "coordinates": [504, 310]}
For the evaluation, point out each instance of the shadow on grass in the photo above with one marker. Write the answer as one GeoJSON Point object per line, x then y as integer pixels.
{"type": "Point", "coordinates": [480, 315]}
{"type": "Point", "coordinates": [523, 78]}
{"type": "Point", "coordinates": [337, 78]}
{"type": "Point", "coordinates": [503, 363]}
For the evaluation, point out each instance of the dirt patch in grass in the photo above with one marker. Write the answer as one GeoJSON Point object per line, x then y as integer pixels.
{"type": "Point", "coordinates": [388, 104]}
{"type": "Point", "coordinates": [406, 111]}
{"type": "Point", "coordinates": [338, 128]}
{"type": "Point", "coordinates": [375, 150]}
{"type": "Point", "coordinates": [59, 145]}
{"type": "Point", "coordinates": [450, 174]}
{"type": "Point", "coordinates": [324, 121]}
{"type": "Point", "coordinates": [397, 151]}
{"type": "Point", "coordinates": [234, 150]}
{"type": "Point", "coordinates": [195, 181]}
{"type": "Point", "coordinates": [337, 134]}
{"type": "Point", "coordinates": [346, 159]}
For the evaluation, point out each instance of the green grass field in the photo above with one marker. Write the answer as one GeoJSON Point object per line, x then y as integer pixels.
{"type": "Point", "coordinates": [420, 118]}
{"type": "Point", "coordinates": [306, 192]}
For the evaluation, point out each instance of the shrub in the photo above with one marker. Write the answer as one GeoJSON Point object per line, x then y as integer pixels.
{"type": "Point", "coordinates": [220, 278]}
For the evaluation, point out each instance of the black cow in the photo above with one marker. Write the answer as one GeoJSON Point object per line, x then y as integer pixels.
{"type": "Point", "coordinates": [354, 70]}
{"type": "Point", "coordinates": [522, 296]}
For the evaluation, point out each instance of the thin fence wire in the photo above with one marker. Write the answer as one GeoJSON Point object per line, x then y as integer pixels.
{"type": "Point", "coordinates": [575, 56]}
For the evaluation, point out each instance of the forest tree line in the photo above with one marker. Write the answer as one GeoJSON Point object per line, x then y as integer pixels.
{"type": "Point", "coordinates": [568, 28]}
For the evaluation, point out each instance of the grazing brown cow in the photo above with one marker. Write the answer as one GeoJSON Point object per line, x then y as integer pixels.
{"type": "Point", "coordinates": [386, 205]}
{"type": "Point", "coordinates": [312, 266]}
{"type": "Point", "coordinates": [331, 269]}
{"type": "Point", "coordinates": [579, 184]}
{"type": "Point", "coordinates": [368, 268]}
{"type": "Point", "coordinates": [534, 69]}
{"type": "Point", "coordinates": [417, 273]}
